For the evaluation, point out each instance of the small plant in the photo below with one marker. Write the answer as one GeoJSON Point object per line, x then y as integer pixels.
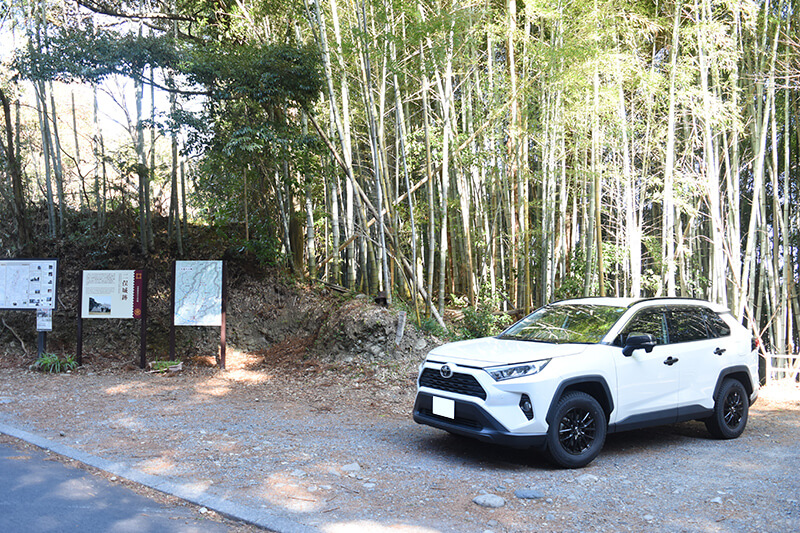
{"type": "Point", "coordinates": [427, 324]}
{"type": "Point", "coordinates": [430, 326]}
{"type": "Point", "coordinates": [163, 366]}
{"type": "Point", "coordinates": [482, 320]}
{"type": "Point", "coordinates": [54, 364]}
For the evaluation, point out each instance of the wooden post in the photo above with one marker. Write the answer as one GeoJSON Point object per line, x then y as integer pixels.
{"type": "Point", "coordinates": [79, 350]}
{"type": "Point", "coordinates": [41, 343]}
{"type": "Point", "coordinates": [172, 314]}
{"type": "Point", "coordinates": [222, 335]}
{"type": "Point", "coordinates": [143, 318]}
{"type": "Point", "coordinates": [768, 368]}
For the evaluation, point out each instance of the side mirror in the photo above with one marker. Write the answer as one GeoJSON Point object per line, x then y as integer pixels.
{"type": "Point", "coordinates": [638, 341]}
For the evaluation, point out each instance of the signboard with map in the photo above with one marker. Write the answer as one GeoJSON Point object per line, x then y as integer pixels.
{"type": "Point", "coordinates": [198, 293]}
{"type": "Point", "coordinates": [111, 294]}
{"type": "Point", "coordinates": [28, 283]}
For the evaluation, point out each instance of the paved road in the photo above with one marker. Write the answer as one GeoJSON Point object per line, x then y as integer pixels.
{"type": "Point", "coordinates": [45, 496]}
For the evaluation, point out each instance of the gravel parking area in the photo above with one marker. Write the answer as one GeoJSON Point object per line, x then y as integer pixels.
{"type": "Point", "coordinates": [337, 450]}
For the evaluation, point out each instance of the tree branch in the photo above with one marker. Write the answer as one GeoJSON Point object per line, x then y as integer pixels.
{"type": "Point", "coordinates": [24, 349]}
{"type": "Point", "coordinates": [103, 8]}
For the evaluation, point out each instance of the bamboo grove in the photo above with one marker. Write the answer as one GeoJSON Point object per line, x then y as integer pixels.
{"type": "Point", "coordinates": [502, 152]}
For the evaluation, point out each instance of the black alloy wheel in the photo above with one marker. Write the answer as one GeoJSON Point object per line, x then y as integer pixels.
{"type": "Point", "coordinates": [730, 411]}
{"type": "Point", "coordinates": [733, 409]}
{"type": "Point", "coordinates": [578, 430]}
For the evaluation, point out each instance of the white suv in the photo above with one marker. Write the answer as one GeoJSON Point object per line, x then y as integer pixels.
{"type": "Point", "coordinates": [569, 373]}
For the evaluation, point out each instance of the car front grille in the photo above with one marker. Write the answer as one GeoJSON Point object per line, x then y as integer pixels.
{"type": "Point", "coordinates": [458, 421]}
{"type": "Point", "coordinates": [458, 383]}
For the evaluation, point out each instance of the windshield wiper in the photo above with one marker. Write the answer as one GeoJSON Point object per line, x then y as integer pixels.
{"type": "Point", "coordinates": [528, 339]}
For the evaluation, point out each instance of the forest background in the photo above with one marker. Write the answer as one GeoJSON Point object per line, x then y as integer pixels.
{"type": "Point", "coordinates": [491, 154]}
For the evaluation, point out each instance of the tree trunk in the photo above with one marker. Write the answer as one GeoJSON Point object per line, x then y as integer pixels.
{"type": "Point", "coordinates": [44, 126]}
{"type": "Point", "coordinates": [99, 162]}
{"type": "Point", "coordinates": [401, 140]}
{"type": "Point", "coordinates": [717, 271]}
{"type": "Point", "coordinates": [142, 170]}
{"type": "Point", "coordinates": [430, 188]}
{"type": "Point", "coordinates": [445, 84]}
{"type": "Point", "coordinates": [668, 214]}
{"type": "Point", "coordinates": [83, 199]}
{"type": "Point", "coordinates": [760, 125]}
{"type": "Point", "coordinates": [12, 162]}
{"type": "Point", "coordinates": [311, 251]}
{"type": "Point", "coordinates": [175, 207]}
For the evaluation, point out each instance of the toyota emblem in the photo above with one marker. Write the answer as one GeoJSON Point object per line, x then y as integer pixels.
{"type": "Point", "coordinates": [446, 371]}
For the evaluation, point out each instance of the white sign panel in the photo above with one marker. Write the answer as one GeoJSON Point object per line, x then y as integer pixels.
{"type": "Point", "coordinates": [198, 293]}
{"type": "Point", "coordinates": [107, 294]}
{"type": "Point", "coordinates": [28, 283]}
{"type": "Point", "coordinates": [44, 320]}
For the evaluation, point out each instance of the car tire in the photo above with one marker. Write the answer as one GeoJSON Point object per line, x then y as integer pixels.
{"type": "Point", "coordinates": [730, 411]}
{"type": "Point", "coordinates": [578, 430]}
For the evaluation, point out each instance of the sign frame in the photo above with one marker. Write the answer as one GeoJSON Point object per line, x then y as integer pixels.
{"type": "Point", "coordinates": [211, 319]}
{"type": "Point", "coordinates": [111, 294]}
{"type": "Point", "coordinates": [223, 309]}
{"type": "Point", "coordinates": [51, 285]}
{"type": "Point", "coordinates": [138, 292]}
{"type": "Point", "coordinates": [44, 320]}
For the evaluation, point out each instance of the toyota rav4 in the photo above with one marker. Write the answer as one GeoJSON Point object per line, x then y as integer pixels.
{"type": "Point", "coordinates": [565, 376]}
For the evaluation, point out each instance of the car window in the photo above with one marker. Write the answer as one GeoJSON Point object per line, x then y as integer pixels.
{"type": "Point", "coordinates": [687, 324]}
{"type": "Point", "coordinates": [716, 326]}
{"type": "Point", "coordinates": [650, 321]}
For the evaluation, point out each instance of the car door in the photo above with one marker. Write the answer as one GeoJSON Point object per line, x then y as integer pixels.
{"type": "Point", "coordinates": [647, 383]}
{"type": "Point", "coordinates": [699, 347]}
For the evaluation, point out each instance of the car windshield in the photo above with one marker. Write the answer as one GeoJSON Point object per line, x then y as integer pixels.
{"type": "Point", "coordinates": [566, 323]}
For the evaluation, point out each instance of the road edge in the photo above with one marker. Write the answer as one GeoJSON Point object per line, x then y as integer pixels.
{"type": "Point", "coordinates": [268, 519]}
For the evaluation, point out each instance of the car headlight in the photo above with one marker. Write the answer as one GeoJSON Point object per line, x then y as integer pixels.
{"type": "Point", "coordinates": [502, 373]}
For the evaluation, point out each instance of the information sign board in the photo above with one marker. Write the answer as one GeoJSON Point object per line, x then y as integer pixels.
{"type": "Point", "coordinates": [28, 283]}
{"type": "Point", "coordinates": [44, 320]}
{"type": "Point", "coordinates": [198, 293]}
{"type": "Point", "coordinates": [111, 294]}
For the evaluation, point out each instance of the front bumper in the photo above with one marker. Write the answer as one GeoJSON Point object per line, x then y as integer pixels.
{"type": "Point", "coordinates": [754, 396]}
{"type": "Point", "coordinates": [472, 420]}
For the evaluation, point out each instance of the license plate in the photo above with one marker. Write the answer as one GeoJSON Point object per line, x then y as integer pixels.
{"type": "Point", "coordinates": [444, 407]}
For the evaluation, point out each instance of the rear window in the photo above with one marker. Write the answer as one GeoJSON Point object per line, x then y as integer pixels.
{"type": "Point", "coordinates": [717, 326]}
{"type": "Point", "coordinates": [687, 324]}
{"type": "Point", "coordinates": [672, 325]}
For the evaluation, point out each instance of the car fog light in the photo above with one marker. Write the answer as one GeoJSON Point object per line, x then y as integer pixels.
{"type": "Point", "coordinates": [526, 406]}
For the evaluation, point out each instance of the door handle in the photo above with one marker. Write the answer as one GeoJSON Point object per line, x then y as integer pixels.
{"type": "Point", "coordinates": [671, 361]}
{"type": "Point", "coordinates": [719, 351]}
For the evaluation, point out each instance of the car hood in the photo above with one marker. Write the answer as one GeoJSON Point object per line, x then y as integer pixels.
{"type": "Point", "coordinates": [491, 351]}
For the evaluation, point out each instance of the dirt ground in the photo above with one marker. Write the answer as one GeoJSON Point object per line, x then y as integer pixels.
{"type": "Point", "coordinates": [334, 447]}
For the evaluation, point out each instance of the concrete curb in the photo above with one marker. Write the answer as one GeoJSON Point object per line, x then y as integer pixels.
{"type": "Point", "coordinates": [267, 519]}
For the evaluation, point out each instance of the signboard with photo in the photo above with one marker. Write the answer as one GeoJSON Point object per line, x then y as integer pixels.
{"type": "Point", "coordinates": [111, 294]}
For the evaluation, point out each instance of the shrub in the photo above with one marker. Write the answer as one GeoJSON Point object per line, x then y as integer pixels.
{"type": "Point", "coordinates": [483, 320]}
{"type": "Point", "coordinates": [53, 363]}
